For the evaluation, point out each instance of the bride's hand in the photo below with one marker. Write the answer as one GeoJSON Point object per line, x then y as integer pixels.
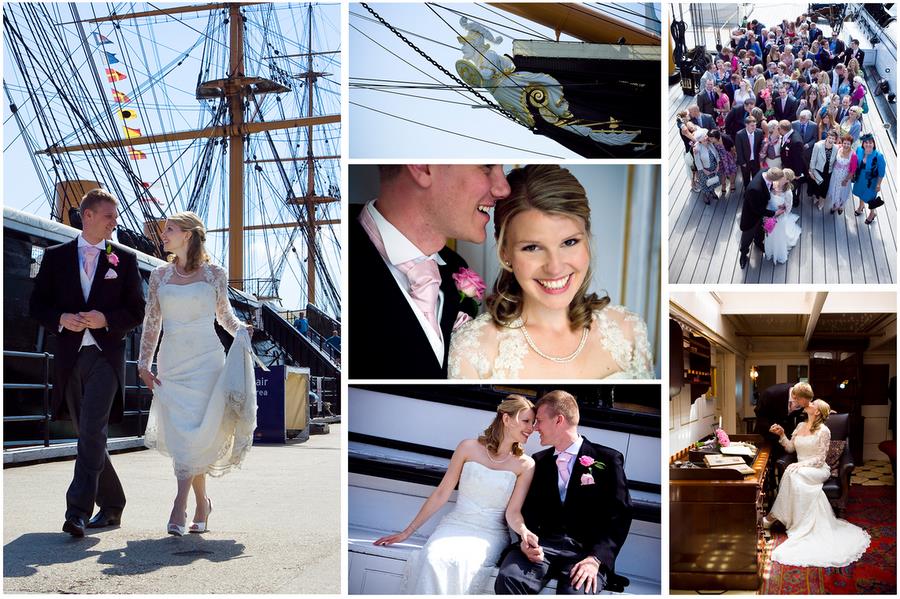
{"type": "Point", "coordinates": [249, 328]}
{"type": "Point", "coordinates": [391, 539]}
{"type": "Point", "coordinates": [149, 378]}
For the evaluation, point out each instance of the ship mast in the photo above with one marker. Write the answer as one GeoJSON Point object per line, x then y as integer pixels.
{"type": "Point", "coordinates": [236, 87]}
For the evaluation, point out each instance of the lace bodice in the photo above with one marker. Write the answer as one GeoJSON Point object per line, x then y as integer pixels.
{"type": "Point", "coordinates": [478, 349]}
{"type": "Point", "coordinates": [811, 449]}
{"type": "Point", "coordinates": [482, 497]}
{"type": "Point", "coordinates": [182, 307]}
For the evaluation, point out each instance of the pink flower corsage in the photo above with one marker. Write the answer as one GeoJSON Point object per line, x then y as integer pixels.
{"type": "Point", "coordinates": [471, 288]}
{"type": "Point", "coordinates": [589, 462]}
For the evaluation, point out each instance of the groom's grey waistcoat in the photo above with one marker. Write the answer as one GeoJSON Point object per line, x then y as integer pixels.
{"type": "Point", "coordinates": [597, 516]}
{"type": "Point", "coordinates": [57, 290]}
{"type": "Point", "coordinates": [385, 337]}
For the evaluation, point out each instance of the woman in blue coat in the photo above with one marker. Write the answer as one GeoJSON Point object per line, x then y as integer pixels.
{"type": "Point", "coordinates": [870, 166]}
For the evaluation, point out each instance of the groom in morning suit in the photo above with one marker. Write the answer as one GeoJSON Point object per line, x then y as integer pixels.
{"type": "Point", "coordinates": [403, 300]}
{"type": "Point", "coordinates": [579, 514]}
{"type": "Point", "coordinates": [88, 293]}
{"type": "Point", "coordinates": [756, 200]}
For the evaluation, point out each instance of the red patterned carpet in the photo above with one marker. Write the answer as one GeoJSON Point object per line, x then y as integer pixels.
{"type": "Point", "coordinates": [874, 509]}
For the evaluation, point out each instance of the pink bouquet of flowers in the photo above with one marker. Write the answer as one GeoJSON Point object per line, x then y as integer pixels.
{"type": "Point", "coordinates": [722, 437]}
{"type": "Point", "coordinates": [769, 223]}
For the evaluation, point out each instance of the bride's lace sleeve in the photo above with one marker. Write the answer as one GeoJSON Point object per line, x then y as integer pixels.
{"type": "Point", "coordinates": [152, 322]}
{"type": "Point", "coordinates": [467, 358]}
{"type": "Point", "coordinates": [624, 335]}
{"type": "Point", "coordinates": [788, 444]}
{"type": "Point", "coordinates": [224, 314]}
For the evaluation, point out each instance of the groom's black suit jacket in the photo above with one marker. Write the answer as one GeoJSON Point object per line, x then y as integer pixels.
{"type": "Point", "coordinates": [756, 198]}
{"type": "Point", "coordinates": [772, 408]}
{"type": "Point", "coordinates": [57, 289]}
{"type": "Point", "coordinates": [386, 339]}
{"type": "Point", "coordinates": [596, 516]}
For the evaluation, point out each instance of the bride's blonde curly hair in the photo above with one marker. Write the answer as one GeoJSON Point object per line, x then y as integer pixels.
{"type": "Point", "coordinates": [196, 254]}
{"type": "Point", "coordinates": [550, 189]}
{"type": "Point", "coordinates": [493, 435]}
{"type": "Point", "coordinates": [824, 411]}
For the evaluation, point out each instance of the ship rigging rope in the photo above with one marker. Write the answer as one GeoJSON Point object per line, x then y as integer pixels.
{"type": "Point", "coordinates": [494, 143]}
{"type": "Point", "coordinates": [482, 21]}
{"type": "Point", "coordinates": [406, 32]}
{"type": "Point", "coordinates": [440, 67]}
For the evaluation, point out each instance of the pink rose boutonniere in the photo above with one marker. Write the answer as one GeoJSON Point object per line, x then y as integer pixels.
{"type": "Point", "coordinates": [589, 462]}
{"type": "Point", "coordinates": [471, 288]}
{"type": "Point", "coordinates": [110, 256]}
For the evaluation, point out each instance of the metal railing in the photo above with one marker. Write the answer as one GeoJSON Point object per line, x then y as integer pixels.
{"type": "Point", "coordinates": [46, 387]}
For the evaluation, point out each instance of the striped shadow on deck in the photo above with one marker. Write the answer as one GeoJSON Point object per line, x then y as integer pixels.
{"type": "Point", "coordinates": [704, 240]}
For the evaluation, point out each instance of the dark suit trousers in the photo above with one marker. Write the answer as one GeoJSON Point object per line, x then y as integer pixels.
{"type": "Point", "coordinates": [756, 235]}
{"type": "Point", "coordinates": [89, 394]}
{"type": "Point", "coordinates": [749, 170]}
{"type": "Point", "coordinates": [520, 576]}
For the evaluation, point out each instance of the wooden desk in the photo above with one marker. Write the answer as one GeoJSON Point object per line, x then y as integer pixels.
{"type": "Point", "coordinates": [715, 527]}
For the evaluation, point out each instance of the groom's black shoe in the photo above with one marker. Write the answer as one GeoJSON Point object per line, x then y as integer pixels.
{"type": "Point", "coordinates": [105, 518]}
{"type": "Point", "coordinates": [74, 526]}
{"type": "Point", "coordinates": [744, 261]}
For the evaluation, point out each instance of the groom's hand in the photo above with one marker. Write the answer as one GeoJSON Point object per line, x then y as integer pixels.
{"type": "Point", "coordinates": [531, 548]}
{"type": "Point", "coordinates": [585, 573]}
{"type": "Point", "coordinates": [94, 319]}
{"type": "Point", "coordinates": [72, 322]}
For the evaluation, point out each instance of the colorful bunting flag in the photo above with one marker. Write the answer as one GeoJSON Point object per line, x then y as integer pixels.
{"type": "Point", "coordinates": [126, 114]}
{"type": "Point", "coordinates": [148, 197]}
{"type": "Point", "coordinates": [136, 154]}
{"type": "Point", "coordinates": [101, 39]}
{"type": "Point", "coordinates": [111, 58]}
{"type": "Point", "coordinates": [120, 97]}
{"type": "Point", "coordinates": [129, 132]}
{"type": "Point", "coordinates": [114, 75]}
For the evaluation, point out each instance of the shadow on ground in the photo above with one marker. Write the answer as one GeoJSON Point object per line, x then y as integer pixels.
{"type": "Point", "coordinates": [23, 556]}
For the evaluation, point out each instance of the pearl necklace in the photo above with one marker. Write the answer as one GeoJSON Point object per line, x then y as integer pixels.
{"type": "Point", "coordinates": [558, 360]}
{"type": "Point", "coordinates": [488, 452]}
{"type": "Point", "coordinates": [175, 266]}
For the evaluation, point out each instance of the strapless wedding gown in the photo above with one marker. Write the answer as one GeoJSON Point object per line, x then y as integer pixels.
{"type": "Point", "coordinates": [503, 354]}
{"type": "Point", "coordinates": [815, 536]}
{"type": "Point", "coordinates": [464, 548]}
{"type": "Point", "coordinates": [203, 413]}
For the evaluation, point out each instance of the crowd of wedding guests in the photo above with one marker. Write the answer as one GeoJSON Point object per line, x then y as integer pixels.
{"type": "Point", "coordinates": [785, 96]}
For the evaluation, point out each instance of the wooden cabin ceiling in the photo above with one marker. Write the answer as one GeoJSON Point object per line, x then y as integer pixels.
{"type": "Point", "coordinates": [827, 325]}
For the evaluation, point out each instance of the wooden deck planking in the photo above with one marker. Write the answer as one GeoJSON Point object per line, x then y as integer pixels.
{"type": "Point", "coordinates": [835, 249]}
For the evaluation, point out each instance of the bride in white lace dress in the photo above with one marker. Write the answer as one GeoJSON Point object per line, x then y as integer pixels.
{"type": "Point", "coordinates": [204, 408]}
{"type": "Point", "coordinates": [541, 321]}
{"type": "Point", "coordinates": [786, 232]}
{"type": "Point", "coordinates": [493, 475]}
{"type": "Point", "coordinates": [815, 536]}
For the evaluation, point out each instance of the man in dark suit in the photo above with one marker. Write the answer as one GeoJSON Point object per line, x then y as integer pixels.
{"type": "Point", "coordinates": [807, 132]}
{"type": "Point", "coordinates": [785, 104]}
{"type": "Point", "coordinates": [88, 293]}
{"type": "Point", "coordinates": [577, 511]}
{"type": "Point", "coordinates": [700, 119]}
{"type": "Point", "coordinates": [854, 52]}
{"type": "Point", "coordinates": [748, 144]}
{"type": "Point", "coordinates": [735, 118]}
{"type": "Point", "coordinates": [837, 47]}
{"type": "Point", "coordinates": [756, 200]}
{"type": "Point", "coordinates": [781, 404]}
{"type": "Point", "coordinates": [403, 300]}
{"type": "Point", "coordinates": [792, 158]}
{"type": "Point", "coordinates": [706, 100]}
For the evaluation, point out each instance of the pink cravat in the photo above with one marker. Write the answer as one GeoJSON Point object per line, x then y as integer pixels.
{"type": "Point", "coordinates": [423, 274]}
{"type": "Point", "coordinates": [89, 255]}
{"type": "Point", "coordinates": [562, 464]}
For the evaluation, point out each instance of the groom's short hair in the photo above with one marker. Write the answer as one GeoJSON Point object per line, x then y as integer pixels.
{"type": "Point", "coordinates": [560, 403]}
{"type": "Point", "coordinates": [802, 390]}
{"type": "Point", "coordinates": [94, 197]}
{"type": "Point", "coordinates": [388, 171]}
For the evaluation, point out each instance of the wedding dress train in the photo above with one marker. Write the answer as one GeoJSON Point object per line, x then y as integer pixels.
{"type": "Point", "coordinates": [815, 536]}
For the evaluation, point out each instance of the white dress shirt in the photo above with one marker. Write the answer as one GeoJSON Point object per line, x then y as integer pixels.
{"type": "Point", "coordinates": [400, 249]}
{"type": "Point", "coordinates": [571, 449]}
{"type": "Point", "coordinates": [86, 282]}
